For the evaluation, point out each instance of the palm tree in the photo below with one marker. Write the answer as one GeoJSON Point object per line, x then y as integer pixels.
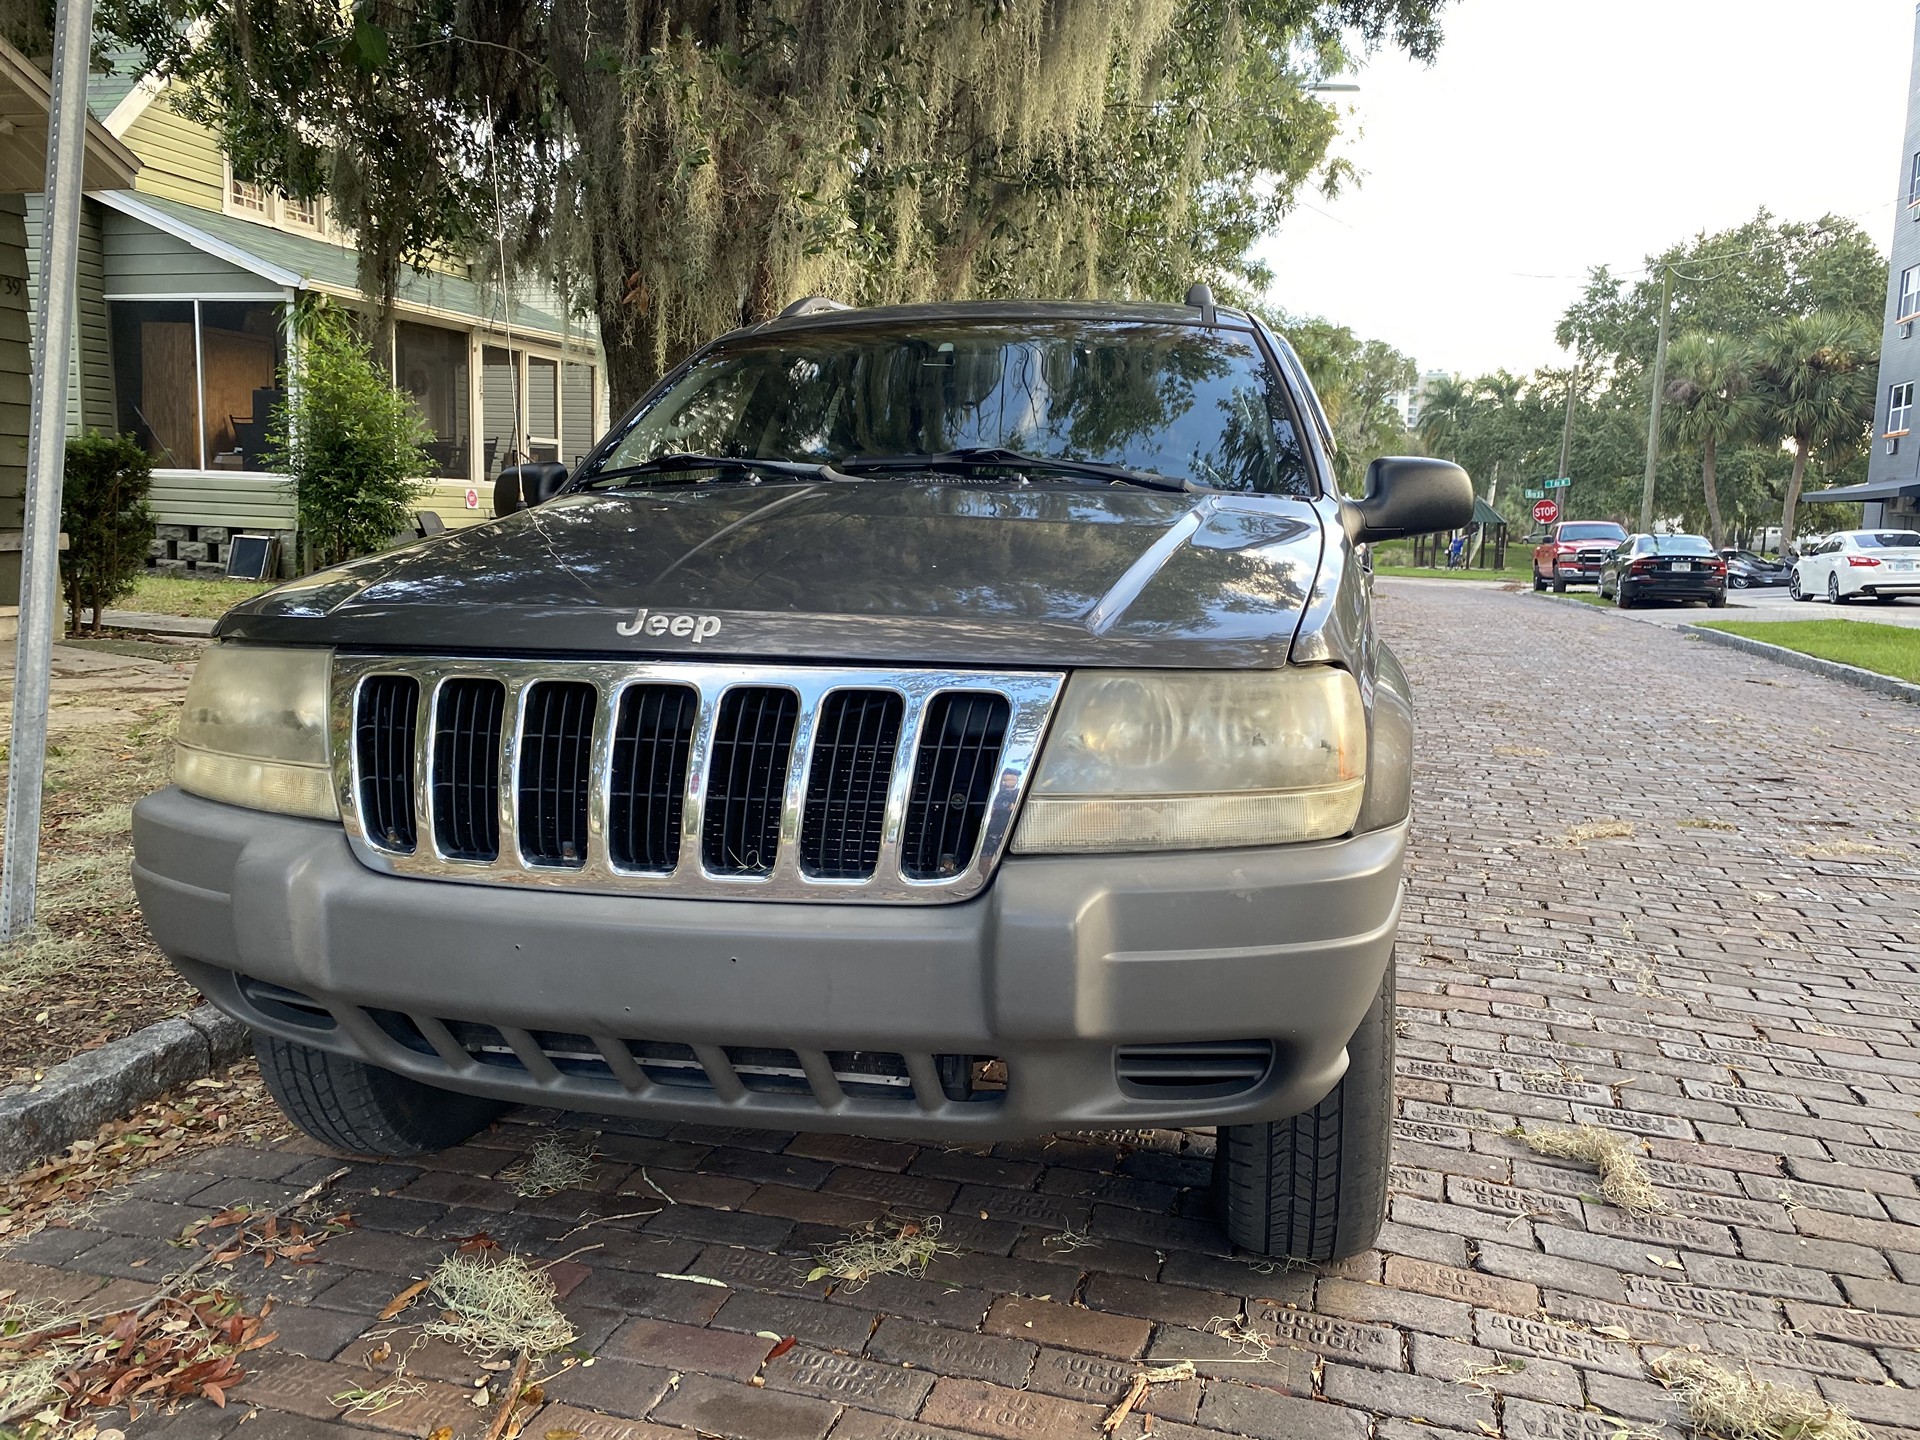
{"type": "Point", "coordinates": [1818, 386]}
{"type": "Point", "coordinates": [1711, 402]}
{"type": "Point", "coordinates": [1447, 415]}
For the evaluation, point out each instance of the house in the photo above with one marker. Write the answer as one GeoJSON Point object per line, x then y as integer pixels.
{"type": "Point", "coordinates": [25, 100]}
{"type": "Point", "coordinates": [187, 282]}
{"type": "Point", "coordinates": [1891, 495]}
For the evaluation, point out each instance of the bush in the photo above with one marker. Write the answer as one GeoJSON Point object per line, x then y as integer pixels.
{"type": "Point", "coordinates": [353, 445]}
{"type": "Point", "coordinates": [109, 527]}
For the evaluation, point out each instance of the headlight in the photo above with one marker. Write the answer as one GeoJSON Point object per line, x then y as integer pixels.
{"type": "Point", "coordinates": [255, 731]}
{"type": "Point", "coordinates": [1179, 760]}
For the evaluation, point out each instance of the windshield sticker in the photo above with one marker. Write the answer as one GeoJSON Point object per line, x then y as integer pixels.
{"type": "Point", "coordinates": [686, 627]}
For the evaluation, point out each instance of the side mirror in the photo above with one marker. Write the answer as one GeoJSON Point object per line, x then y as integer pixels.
{"type": "Point", "coordinates": [519, 486]}
{"type": "Point", "coordinates": [1409, 495]}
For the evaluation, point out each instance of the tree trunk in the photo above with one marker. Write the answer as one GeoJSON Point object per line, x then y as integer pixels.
{"type": "Point", "coordinates": [1713, 494]}
{"type": "Point", "coordinates": [1794, 482]}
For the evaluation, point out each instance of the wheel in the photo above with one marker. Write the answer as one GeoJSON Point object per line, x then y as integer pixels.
{"type": "Point", "coordinates": [1538, 583]}
{"type": "Point", "coordinates": [361, 1108]}
{"type": "Point", "coordinates": [1620, 595]}
{"type": "Point", "coordinates": [1559, 586]}
{"type": "Point", "coordinates": [1717, 601]}
{"type": "Point", "coordinates": [1834, 597]}
{"type": "Point", "coordinates": [1739, 582]}
{"type": "Point", "coordinates": [1314, 1187]}
{"type": "Point", "coordinates": [1793, 586]}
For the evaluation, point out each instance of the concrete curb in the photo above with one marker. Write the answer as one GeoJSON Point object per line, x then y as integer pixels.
{"type": "Point", "coordinates": [1832, 669]}
{"type": "Point", "coordinates": [80, 1095]}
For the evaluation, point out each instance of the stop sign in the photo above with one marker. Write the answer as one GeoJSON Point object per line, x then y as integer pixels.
{"type": "Point", "coordinates": [1545, 512]}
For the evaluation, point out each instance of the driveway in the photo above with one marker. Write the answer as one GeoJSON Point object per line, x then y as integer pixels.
{"type": "Point", "coordinates": [1729, 976]}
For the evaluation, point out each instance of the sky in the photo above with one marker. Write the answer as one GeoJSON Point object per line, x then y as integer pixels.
{"type": "Point", "coordinates": [1549, 137]}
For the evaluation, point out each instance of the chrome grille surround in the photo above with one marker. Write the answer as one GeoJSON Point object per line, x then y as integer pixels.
{"type": "Point", "coordinates": [1030, 694]}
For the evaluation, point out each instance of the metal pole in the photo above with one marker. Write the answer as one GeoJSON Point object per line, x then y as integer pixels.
{"type": "Point", "coordinates": [1566, 430]}
{"type": "Point", "coordinates": [1653, 414]}
{"type": "Point", "coordinates": [46, 463]}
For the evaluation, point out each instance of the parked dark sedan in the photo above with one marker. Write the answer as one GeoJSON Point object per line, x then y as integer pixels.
{"type": "Point", "coordinates": [1745, 569]}
{"type": "Point", "coordinates": [1663, 567]}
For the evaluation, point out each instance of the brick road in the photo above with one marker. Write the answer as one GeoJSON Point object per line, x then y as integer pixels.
{"type": "Point", "coordinates": [1734, 982]}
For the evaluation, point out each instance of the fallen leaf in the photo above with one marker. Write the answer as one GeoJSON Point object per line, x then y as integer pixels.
{"type": "Point", "coordinates": [405, 1298]}
{"type": "Point", "coordinates": [785, 1345]}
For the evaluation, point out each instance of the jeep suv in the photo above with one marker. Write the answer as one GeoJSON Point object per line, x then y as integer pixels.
{"type": "Point", "coordinates": [947, 722]}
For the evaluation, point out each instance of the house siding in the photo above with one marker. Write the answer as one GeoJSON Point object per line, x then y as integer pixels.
{"type": "Point", "coordinates": [178, 159]}
{"type": "Point", "coordinates": [90, 368]}
{"type": "Point", "coordinates": [16, 368]}
{"type": "Point", "coordinates": [238, 501]}
{"type": "Point", "coordinates": [141, 260]}
{"type": "Point", "coordinates": [1898, 458]}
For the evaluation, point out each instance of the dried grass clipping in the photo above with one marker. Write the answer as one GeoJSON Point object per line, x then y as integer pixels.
{"type": "Point", "coordinates": [553, 1164]}
{"type": "Point", "coordinates": [1598, 830]}
{"type": "Point", "coordinates": [907, 1250]}
{"type": "Point", "coordinates": [1623, 1180]}
{"type": "Point", "coordinates": [1846, 850]}
{"type": "Point", "coordinates": [1739, 1407]}
{"type": "Point", "coordinates": [497, 1306]}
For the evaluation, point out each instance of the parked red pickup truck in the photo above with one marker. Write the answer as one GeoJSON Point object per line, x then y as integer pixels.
{"type": "Point", "coordinates": [1572, 552]}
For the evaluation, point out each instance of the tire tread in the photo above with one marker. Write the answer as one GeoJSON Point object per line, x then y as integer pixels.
{"type": "Point", "coordinates": [357, 1107]}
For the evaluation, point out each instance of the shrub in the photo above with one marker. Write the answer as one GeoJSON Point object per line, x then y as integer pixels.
{"type": "Point", "coordinates": [353, 445]}
{"type": "Point", "coordinates": [109, 527]}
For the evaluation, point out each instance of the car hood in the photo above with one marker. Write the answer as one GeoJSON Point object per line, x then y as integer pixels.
{"type": "Point", "coordinates": [929, 572]}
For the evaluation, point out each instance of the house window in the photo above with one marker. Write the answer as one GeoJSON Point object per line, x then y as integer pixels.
{"type": "Point", "coordinates": [543, 408]}
{"type": "Point", "coordinates": [1909, 293]}
{"type": "Point", "coordinates": [431, 366]}
{"type": "Point", "coordinates": [245, 198]}
{"type": "Point", "coordinates": [500, 410]}
{"type": "Point", "coordinates": [198, 381]}
{"type": "Point", "coordinates": [1913, 183]}
{"type": "Point", "coordinates": [577, 430]}
{"type": "Point", "coordinates": [305, 213]}
{"type": "Point", "coordinates": [1899, 407]}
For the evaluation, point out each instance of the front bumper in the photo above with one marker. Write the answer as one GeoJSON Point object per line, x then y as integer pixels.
{"type": "Point", "coordinates": [1060, 962]}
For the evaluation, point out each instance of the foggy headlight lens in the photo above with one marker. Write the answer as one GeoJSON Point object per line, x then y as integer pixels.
{"type": "Point", "coordinates": [255, 731]}
{"type": "Point", "coordinates": [1178, 760]}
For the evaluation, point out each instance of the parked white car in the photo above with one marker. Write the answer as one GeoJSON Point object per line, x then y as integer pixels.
{"type": "Point", "coordinates": [1855, 564]}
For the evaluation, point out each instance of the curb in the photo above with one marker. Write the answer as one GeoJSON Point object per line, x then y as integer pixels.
{"type": "Point", "coordinates": [80, 1095]}
{"type": "Point", "coordinates": [1848, 674]}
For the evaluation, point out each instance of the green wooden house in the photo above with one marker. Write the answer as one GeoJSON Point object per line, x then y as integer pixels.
{"type": "Point", "coordinates": [188, 278]}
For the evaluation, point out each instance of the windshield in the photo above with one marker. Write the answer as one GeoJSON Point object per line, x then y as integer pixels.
{"type": "Point", "coordinates": [1887, 539]}
{"type": "Point", "coordinates": [1593, 532]}
{"type": "Point", "coordinates": [1681, 545]}
{"type": "Point", "coordinates": [1174, 401]}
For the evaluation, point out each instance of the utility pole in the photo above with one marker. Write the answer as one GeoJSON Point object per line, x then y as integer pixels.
{"type": "Point", "coordinates": [1566, 436]}
{"type": "Point", "coordinates": [46, 464]}
{"type": "Point", "coordinates": [1653, 414]}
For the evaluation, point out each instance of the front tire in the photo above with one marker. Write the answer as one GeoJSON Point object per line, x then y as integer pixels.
{"type": "Point", "coordinates": [1559, 586]}
{"type": "Point", "coordinates": [1793, 587]}
{"type": "Point", "coordinates": [1538, 583]}
{"type": "Point", "coordinates": [362, 1109]}
{"type": "Point", "coordinates": [1314, 1187]}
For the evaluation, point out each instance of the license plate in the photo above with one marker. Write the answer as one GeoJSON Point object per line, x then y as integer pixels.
{"type": "Point", "coordinates": [1679, 565]}
{"type": "Point", "coordinates": [1900, 564]}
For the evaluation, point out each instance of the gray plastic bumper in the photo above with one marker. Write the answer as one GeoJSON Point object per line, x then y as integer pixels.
{"type": "Point", "coordinates": [1056, 964]}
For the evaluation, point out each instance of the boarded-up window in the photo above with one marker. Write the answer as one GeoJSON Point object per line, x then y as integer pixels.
{"type": "Point", "coordinates": [156, 378]}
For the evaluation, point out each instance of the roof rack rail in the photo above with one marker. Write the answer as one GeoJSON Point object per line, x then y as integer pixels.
{"type": "Point", "coordinates": [811, 305]}
{"type": "Point", "coordinates": [1200, 297]}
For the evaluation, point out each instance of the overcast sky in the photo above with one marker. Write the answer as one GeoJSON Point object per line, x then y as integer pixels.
{"type": "Point", "coordinates": [1549, 137]}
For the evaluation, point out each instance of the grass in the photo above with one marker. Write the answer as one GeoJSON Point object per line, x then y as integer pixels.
{"type": "Point", "coordinates": [1510, 575]}
{"type": "Point", "coordinates": [1623, 1181]}
{"type": "Point", "coordinates": [1884, 649]}
{"type": "Point", "coordinates": [496, 1305]}
{"type": "Point", "coordinates": [907, 1249]}
{"type": "Point", "coordinates": [1740, 1407]}
{"type": "Point", "coordinates": [203, 599]}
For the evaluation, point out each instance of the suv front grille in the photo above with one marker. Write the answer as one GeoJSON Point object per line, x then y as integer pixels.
{"type": "Point", "coordinates": [749, 782]}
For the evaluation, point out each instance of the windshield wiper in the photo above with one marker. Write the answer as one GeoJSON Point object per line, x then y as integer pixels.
{"type": "Point", "coordinates": [991, 457]}
{"type": "Point", "coordinates": [691, 460]}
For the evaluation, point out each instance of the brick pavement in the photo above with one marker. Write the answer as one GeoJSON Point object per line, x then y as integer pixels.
{"type": "Point", "coordinates": [1734, 982]}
